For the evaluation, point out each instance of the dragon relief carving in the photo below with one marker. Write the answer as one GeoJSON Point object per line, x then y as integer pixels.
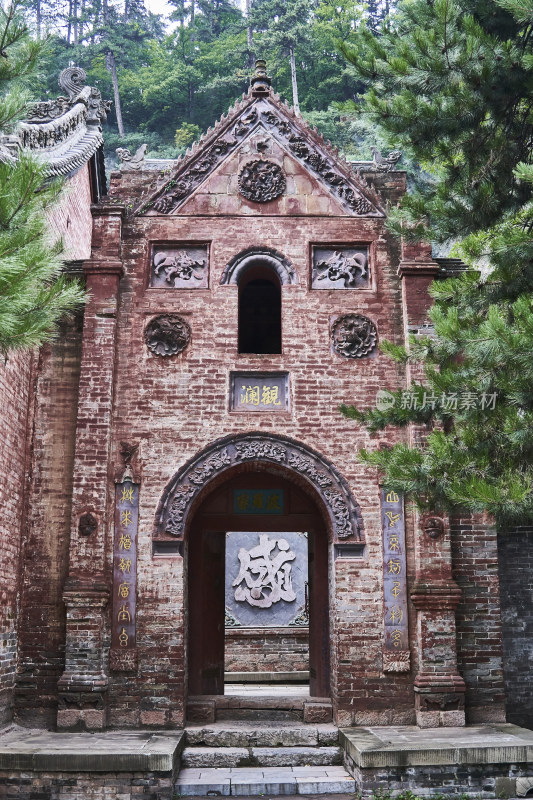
{"type": "Point", "coordinates": [175, 504]}
{"type": "Point", "coordinates": [183, 267]}
{"type": "Point", "coordinates": [167, 335]}
{"type": "Point", "coordinates": [261, 181]}
{"type": "Point", "coordinates": [354, 336]}
{"type": "Point", "coordinates": [340, 269]}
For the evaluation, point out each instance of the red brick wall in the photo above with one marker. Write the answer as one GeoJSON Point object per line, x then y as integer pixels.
{"type": "Point", "coordinates": [175, 407]}
{"type": "Point", "coordinates": [479, 624]}
{"type": "Point", "coordinates": [266, 650]}
{"type": "Point", "coordinates": [46, 551]}
{"type": "Point", "coordinates": [71, 219]}
{"type": "Point", "coordinates": [15, 383]}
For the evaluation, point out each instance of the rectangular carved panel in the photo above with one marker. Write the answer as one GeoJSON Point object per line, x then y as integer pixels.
{"type": "Point", "coordinates": [259, 391]}
{"type": "Point", "coordinates": [266, 579]}
{"type": "Point", "coordinates": [179, 266]}
{"type": "Point", "coordinates": [123, 635]}
{"type": "Point", "coordinates": [340, 267]}
{"type": "Point", "coordinates": [394, 583]}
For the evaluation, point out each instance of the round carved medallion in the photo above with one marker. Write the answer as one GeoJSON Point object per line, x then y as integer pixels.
{"type": "Point", "coordinates": [261, 181]}
{"type": "Point", "coordinates": [354, 336]}
{"type": "Point", "coordinates": [167, 335]}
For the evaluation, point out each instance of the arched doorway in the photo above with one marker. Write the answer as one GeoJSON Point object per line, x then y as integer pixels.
{"type": "Point", "coordinates": [216, 517]}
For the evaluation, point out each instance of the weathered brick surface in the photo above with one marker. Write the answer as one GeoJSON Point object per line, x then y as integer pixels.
{"type": "Point", "coordinates": [479, 624]}
{"type": "Point", "coordinates": [16, 785]}
{"type": "Point", "coordinates": [15, 384]}
{"type": "Point", "coordinates": [515, 567]}
{"type": "Point", "coordinates": [42, 630]}
{"type": "Point", "coordinates": [266, 651]}
{"type": "Point", "coordinates": [71, 220]}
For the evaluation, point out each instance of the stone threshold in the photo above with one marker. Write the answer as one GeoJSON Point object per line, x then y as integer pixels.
{"type": "Point", "coordinates": [410, 746]}
{"type": "Point", "coordinates": [110, 751]}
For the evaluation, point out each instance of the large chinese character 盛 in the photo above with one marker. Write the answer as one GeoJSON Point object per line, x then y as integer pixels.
{"type": "Point", "coordinates": [266, 577]}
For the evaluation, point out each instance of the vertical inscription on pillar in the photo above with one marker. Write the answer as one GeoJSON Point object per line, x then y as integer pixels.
{"type": "Point", "coordinates": [123, 652]}
{"type": "Point", "coordinates": [396, 646]}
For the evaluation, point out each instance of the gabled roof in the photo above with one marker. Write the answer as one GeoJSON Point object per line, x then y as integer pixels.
{"type": "Point", "coordinates": [303, 143]}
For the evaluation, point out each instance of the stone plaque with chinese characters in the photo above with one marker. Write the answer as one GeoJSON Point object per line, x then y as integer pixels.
{"type": "Point", "coordinates": [258, 501]}
{"type": "Point", "coordinates": [125, 568]}
{"type": "Point", "coordinates": [394, 578]}
{"type": "Point", "coordinates": [259, 391]}
{"type": "Point", "coordinates": [340, 267]}
{"type": "Point", "coordinates": [266, 579]}
{"type": "Point", "coordinates": [179, 266]}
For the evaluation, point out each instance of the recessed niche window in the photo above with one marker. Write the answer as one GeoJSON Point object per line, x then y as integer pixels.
{"type": "Point", "coordinates": [259, 311]}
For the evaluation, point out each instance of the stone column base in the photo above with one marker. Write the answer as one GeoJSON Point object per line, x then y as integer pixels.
{"type": "Point", "coordinates": [439, 709]}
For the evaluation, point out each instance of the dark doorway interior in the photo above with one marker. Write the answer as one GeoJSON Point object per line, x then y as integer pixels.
{"type": "Point", "coordinates": [208, 633]}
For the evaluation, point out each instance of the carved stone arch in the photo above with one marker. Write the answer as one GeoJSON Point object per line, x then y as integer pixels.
{"type": "Point", "coordinates": [311, 469]}
{"type": "Point", "coordinates": [255, 256]}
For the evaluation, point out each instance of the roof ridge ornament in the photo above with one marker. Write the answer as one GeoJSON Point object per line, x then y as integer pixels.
{"type": "Point", "coordinates": [72, 81]}
{"type": "Point", "coordinates": [260, 81]}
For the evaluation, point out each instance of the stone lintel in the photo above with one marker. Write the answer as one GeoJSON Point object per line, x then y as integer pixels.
{"type": "Point", "coordinates": [108, 209]}
{"type": "Point", "coordinates": [409, 746]}
{"type": "Point", "coordinates": [430, 268]}
{"type": "Point", "coordinates": [104, 266]}
{"type": "Point", "coordinates": [121, 751]}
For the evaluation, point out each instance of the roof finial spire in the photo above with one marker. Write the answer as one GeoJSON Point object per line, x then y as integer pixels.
{"type": "Point", "coordinates": [260, 81]}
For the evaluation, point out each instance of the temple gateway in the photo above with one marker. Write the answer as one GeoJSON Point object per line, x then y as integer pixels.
{"type": "Point", "coordinates": [199, 571]}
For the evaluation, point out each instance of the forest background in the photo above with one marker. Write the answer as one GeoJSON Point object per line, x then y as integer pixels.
{"type": "Point", "coordinates": [172, 77]}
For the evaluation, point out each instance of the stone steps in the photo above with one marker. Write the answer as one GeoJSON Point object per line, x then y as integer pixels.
{"type": "Point", "coordinates": [227, 707]}
{"type": "Point", "coordinates": [226, 734]}
{"type": "Point", "coordinates": [276, 781]}
{"type": "Point", "coordinates": [198, 757]}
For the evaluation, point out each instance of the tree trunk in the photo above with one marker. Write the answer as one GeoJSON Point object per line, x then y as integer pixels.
{"type": "Point", "coordinates": [69, 26]}
{"type": "Point", "coordinates": [249, 36]}
{"type": "Point", "coordinates": [38, 20]}
{"type": "Point", "coordinates": [75, 20]}
{"type": "Point", "coordinates": [295, 102]}
{"type": "Point", "coordinates": [112, 67]}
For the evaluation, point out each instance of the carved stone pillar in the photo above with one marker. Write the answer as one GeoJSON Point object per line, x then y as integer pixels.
{"type": "Point", "coordinates": [83, 685]}
{"type": "Point", "coordinates": [439, 689]}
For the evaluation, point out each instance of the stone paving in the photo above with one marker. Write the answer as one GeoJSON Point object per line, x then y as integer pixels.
{"type": "Point", "coordinates": [242, 781]}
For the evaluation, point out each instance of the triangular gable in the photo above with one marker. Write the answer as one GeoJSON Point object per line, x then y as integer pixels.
{"type": "Point", "coordinates": [355, 196]}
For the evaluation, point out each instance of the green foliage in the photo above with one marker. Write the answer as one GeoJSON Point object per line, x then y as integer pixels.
{"type": "Point", "coordinates": [33, 293]}
{"type": "Point", "coordinates": [456, 89]}
{"type": "Point", "coordinates": [186, 134]}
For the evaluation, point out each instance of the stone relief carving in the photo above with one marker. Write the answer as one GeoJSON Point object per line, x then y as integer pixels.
{"type": "Point", "coordinates": [322, 165]}
{"type": "Point", "coordinates": [265, 573]}
{"type": "Point", "coordinates": [167, 335]}
{"type": "Point", "coordinates": [87, 524]}
{"type": "Point", "coordinates": [340, 268]}
{"type": "Point", "coordinates": [229, 620]}
{"type": "Point", "coordinates": [354, 336]}
{"type": "Point", "coordinates": [396, 661]}
{"type": "Point", "coordinates": [180, 267]}
{"type": "Point", "coordinates": [182, 187]}
{"type": "Point", "coordinates": [261, 181]}
{"type": "Point", "coordinates": [301, 620]}
{"type": "Point", "coordinates": [72, 80]}
{"type": "Point", "coordinates": [199, 163]}
{"type": "Point", "coordinates": [178, 497]}
{"type": "Point", "coordinates": [433, 527]}
{"type": "Point", "coordinates": [129, 162]}
{"type": "Point", "coordinates": [239, 263]}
